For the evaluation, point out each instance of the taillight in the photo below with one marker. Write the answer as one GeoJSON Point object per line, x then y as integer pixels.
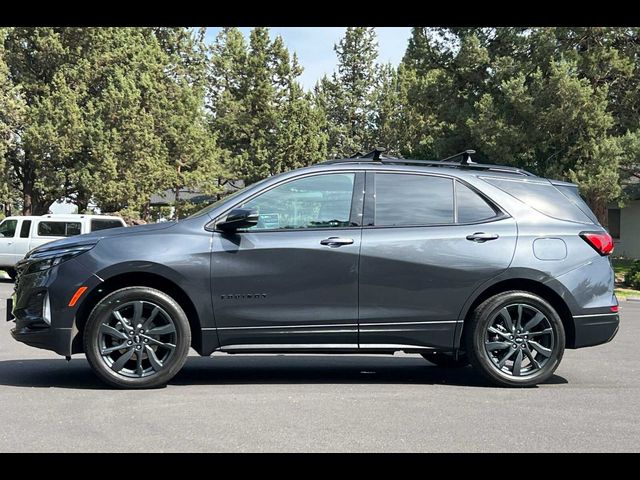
{"type": "Point", "coordinates": [600, 241]}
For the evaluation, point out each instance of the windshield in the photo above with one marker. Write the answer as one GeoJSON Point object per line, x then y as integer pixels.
{"type": "Point", "coordinates": [223, 200]}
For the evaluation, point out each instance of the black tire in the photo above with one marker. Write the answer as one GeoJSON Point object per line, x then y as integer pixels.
{"type": "Point", "coordinates": [447, 360]}
{"type": "Point", "coordinates": [545, 341]}
{"type": "Point", "coordinates": [11, 272]}
{"type": "Point", "coordinates": [153, 357]}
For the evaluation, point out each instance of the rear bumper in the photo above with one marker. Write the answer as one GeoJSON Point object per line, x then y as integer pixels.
{"type": "Point", "coordinates": [594, 329]}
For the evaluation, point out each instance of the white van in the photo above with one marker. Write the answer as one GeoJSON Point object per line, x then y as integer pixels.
{"type": "Point", "coordinates": [20, 234]}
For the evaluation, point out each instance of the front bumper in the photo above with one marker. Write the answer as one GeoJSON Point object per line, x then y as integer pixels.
{"type": "Point", "coordinates": [56, 339]}
{"type": "Point", "coordinates": [26, 307]}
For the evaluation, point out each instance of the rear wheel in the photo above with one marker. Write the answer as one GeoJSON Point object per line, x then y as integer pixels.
{"type": "Point", "coordinates": [446, 359]}
{"type": "Point", "coordinates": [515, 339]}
{"type": "Point", "coordinates": [137, 337]}
{"type": "Point", "coordinates": [11, 272]}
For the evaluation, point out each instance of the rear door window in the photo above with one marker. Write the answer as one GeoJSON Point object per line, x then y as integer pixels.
{"type": "Point", "coordinates": [407, 199]}
{"type": "Point", "coordinates": [58, 229]}
{"type": "Point", "coordinates": [103, 224]}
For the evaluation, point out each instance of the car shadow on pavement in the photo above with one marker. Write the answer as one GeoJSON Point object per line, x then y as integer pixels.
{"type": "Point", "coordinates": [262, 369]}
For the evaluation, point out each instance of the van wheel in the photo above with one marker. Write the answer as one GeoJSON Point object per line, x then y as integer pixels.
{"type": "Point", "coordinates": [515, 339]}
{"type": "Point", "coordinates": [12, 273]}
{"type": "Point", "coordinates": [447, 359]}
{"type": "Point", "coordinates": [137, 337]}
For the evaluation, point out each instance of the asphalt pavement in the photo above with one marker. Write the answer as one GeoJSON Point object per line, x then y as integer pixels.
{"type": "Point", "coordinates": [315, 403]}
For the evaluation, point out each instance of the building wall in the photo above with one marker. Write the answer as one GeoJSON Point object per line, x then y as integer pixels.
{"type": "Point", "coordinates": [629, 243]}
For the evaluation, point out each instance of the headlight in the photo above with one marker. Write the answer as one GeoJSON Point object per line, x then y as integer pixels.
{"type": "Point", "coordinates": [40, 261]}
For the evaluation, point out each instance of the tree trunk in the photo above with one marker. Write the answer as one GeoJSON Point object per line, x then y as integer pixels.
{"type": "Point", "coordinates": [176, 204]}
{"type": "Point", "coordinates": [601, 211]}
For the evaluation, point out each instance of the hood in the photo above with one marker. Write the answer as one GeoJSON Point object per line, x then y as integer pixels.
{"type": "Point", "coordinates": [95, 237]}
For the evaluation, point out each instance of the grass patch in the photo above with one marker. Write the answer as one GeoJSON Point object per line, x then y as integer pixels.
{"type": "Point", "coordinates": [624, 293]}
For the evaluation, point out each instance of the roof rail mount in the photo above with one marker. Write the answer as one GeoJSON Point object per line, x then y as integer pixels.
{"type": "Point", "coordinates": [374, 154]}
{"type": "Point", "coordinates": [466, 157]}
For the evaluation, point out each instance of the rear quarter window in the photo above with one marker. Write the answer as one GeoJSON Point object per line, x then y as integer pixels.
{"type": "Point", "coordinates": [543, 197]}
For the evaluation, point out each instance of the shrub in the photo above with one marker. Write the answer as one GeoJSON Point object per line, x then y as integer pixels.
{"type": "Point", "coordinates": [632, 277]}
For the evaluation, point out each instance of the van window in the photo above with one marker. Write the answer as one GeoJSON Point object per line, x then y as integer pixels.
{"type": "Point", "coordinates": [58, 229]}
{"type": "Point", "coordinates": [24, 229]}
{"type": "Point", "coordinates": [104, 223]}
{"type": "Point", "coordinates": [8, 228]}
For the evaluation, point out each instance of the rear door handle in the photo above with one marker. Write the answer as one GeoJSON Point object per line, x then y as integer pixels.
{"type": "Point", "coordinates": [336, 241]}
{"type": "Point", "coordinates": [481, 237]}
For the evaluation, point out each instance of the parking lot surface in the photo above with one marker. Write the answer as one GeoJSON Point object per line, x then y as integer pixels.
{"type": "Point", "coordinates": [292, 403]}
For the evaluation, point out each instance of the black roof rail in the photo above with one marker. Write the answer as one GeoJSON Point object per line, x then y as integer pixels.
{"type": "Point", "coordinates": [434, 163]}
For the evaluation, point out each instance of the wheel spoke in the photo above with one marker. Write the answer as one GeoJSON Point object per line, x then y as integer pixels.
{"type": "Point", "coordinates": [519, 321]}
{"type": "Point", "coordinates": [109, 350]}
{"type": "Point", "coordinates": [139, 369]}
{"type": "Point", "coordinates": [491, 346]}
{"type": "Point", "coordinates": [163, 330]}
{"type": "Point", "coordinates": [137, 313]}
{"type": "Point", "coordinates": [149, 320]}
{"type": "Point", "coordinates": [119, 363]}
{"type": "Point", "coordinates": [531, 358]}
{"type": "Point", "coordinates": [108, 330]}
{"type": "Point", "coordinates": [155, 363]}
{"type": "Point", "coordinates": [537, 318]}
{"type": "Point", "coordinates": [540, 349]}
{"type": "Point", "coordinates": [158, 342]}
{"type": "Point", "coordinates": [507, 318]}
{"type": "Point", "coordinates": [506, 357]}
{"type": "Point", "coordinates": [546, 331]}
{"type": "Point", "coordinates": [504, 335]}
{"type": "Point", "coordinates": [121, 319]}
{"type": "Point", "coordinates": [517, 363]}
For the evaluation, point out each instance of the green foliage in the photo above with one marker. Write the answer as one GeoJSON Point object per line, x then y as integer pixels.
{"type": "Point", "coordinates": [113, 115]}
{"type": "Point", "coordinates": [632, 275]}
{"type": "Point", "coordinates": [347, 98]}
{"type": "Point", "coordinates": [556, 101]}
{"type": "Point", "coordinates": [264, 121]}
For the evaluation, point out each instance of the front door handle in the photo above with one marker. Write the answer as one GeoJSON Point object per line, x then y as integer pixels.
{"type": "Point", "coordinates": [336, 241]}
{"type": "Point", "coordinates": [481, 237]}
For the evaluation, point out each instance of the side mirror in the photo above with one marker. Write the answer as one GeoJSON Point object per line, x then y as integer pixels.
{"type": "Point", "coordinates": [239, 218]}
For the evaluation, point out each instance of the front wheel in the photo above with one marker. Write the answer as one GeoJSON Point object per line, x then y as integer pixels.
{"type": "Point", "coordinates": [515, 339]}
{"type": "Point", "coordinates": [137, 337]}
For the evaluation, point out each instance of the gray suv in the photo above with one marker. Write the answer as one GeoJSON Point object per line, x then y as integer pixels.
{"type": "Point", "coordinates": [457, 261]}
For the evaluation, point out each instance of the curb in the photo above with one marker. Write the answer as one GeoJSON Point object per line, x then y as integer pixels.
{"type": "Point", "coordinates": [633, 299]}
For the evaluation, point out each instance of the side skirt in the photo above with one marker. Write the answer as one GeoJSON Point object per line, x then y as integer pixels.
{"type": "Point", "coordinates": [380, 348]}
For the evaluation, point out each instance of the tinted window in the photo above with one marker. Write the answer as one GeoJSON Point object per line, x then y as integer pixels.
{"type": "Point", "coordinates": [321, 201]}
{"type": "Point", "coordinates": [24, 229]}
{"type": "Point", "coordinates": [403, 199]}
{"type": "Point", "coordinates": [544, 197]}
{"type": "Point", "coordinates": [103, 224]}
{"type": "Point", "coordinates": [58, 229]}
{"type": "Point", "coordinates": [471, 206]}
{"type": "Point", "coordinates": [571, 192]}
{"type": "Point", "coordinates": [8, 228]}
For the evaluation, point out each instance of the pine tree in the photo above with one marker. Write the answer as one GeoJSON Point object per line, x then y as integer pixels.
{"type": "Point", "coordinates": [347, 98]}
{"type": "Point", "coordinates": [264, 121]}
